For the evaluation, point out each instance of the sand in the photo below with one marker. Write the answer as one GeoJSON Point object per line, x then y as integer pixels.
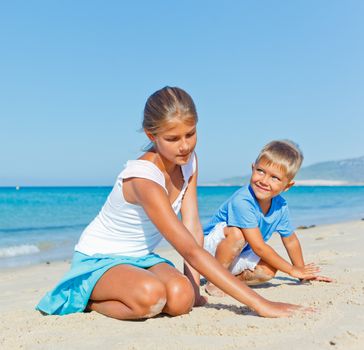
{"type": "Point", "coordinates": [338, 322]}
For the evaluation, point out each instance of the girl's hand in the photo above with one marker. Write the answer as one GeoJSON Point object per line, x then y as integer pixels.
{"type": "Point", "coordinates": [276, 309]}
{"type": "Point", "coordinates": [306, 272]}
{"type": "Point", "coordinates": [200, 300]}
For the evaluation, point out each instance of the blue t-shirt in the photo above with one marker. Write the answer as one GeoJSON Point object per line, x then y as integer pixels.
{"type": "Point", "coordinates": [243, 210]}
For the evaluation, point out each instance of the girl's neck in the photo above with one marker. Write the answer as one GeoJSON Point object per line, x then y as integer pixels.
{"type": "Point", "coordinates": [163, 164]}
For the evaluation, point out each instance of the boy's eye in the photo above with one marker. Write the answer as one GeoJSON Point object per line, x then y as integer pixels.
{"type": "Point", "coordinates": [260, 171]}
{"type": "Point", "coordinates": [275, 178]}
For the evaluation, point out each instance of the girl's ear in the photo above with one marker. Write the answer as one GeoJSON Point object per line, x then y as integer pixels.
{"type": "Point", "coordinates": [149, 135]}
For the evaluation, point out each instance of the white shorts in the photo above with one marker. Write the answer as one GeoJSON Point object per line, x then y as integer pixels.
{"type": "Point", "coordinates": [244, 261]}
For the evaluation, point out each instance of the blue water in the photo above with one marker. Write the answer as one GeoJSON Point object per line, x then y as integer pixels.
{"type": "Point", "coordinates": [43, 224]}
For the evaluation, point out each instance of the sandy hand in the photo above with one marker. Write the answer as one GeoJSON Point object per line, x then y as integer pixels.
{"type": "Point", "coordinates": [277, 309]}
{"type": "Point", "coordinates": [307, 272]}
{"type": "Point", "coordinates": [320, 279]}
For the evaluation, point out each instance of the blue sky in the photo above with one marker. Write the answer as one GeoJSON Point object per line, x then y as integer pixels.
{"type": "Point", "coordinates": [74, 77]}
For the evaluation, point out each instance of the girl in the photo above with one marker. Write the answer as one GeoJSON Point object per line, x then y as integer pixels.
{"type": "Point", "coordinates": [114, 270]}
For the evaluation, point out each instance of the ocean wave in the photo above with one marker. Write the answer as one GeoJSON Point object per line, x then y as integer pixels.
{"type": "Point", "coordinates": [24, 249]}
{"type": "Point", "coordinates": [41, 228]}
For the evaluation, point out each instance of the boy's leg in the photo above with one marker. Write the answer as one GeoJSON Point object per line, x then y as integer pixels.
{"type": "Point", "coordinates": [262, 273]}
{"type": "Point", "coordinates": [227, 250]}
{"type": "Point", "coordinates": [230, 247]}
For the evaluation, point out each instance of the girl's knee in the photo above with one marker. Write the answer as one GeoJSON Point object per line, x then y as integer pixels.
{"type": "Point", "coordinates": [180, 296]}
{"type": "Point", "coordinates": [151, 298]}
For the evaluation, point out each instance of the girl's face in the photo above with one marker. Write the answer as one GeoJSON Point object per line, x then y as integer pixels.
{"type": "Point", "coordinates": [176, 142]}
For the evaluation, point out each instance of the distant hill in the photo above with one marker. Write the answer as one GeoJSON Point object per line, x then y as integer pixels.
{"type": "Point", "coordinates": [348, 171]}
{"type": "Point", "coordinates": [340, 172]}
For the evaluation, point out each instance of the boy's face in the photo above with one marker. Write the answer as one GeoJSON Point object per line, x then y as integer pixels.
{"type": "Point", "coordinates": [268, 181]}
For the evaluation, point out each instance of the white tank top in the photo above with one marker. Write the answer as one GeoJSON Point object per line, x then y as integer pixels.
{"type": "Point", "coordinates": [122, 228]}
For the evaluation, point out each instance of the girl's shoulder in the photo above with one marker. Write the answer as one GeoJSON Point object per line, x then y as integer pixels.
{"type": "Point", "coordinates": [143, 169]}
{"type": "Point", "coordinates": [147, 169]}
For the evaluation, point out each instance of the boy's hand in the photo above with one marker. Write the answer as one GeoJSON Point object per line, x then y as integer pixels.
{"type": "Point", "coordinates": [320, 279]}
{"type": "Point", "coordinates": [307, 272]}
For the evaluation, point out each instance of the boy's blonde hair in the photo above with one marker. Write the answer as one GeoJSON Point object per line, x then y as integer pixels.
{"type": "Point", "coordinates": [285, 154]}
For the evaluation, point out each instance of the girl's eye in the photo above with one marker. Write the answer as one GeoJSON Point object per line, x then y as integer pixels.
{"type": "Point", "coordinates": [191, 134]}
{"type": "Point", "coordinates": [171, 139]}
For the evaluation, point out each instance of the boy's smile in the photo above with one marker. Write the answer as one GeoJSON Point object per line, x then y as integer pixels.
{"type": "Point", "coordinates": [268, 181]}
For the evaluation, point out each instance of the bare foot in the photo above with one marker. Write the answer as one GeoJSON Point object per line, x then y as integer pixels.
{"type": "Point", "coordinates": [260, 275]}
{"type": "Point", "coordinates": [212, 290]}
{"type": "Point", "coordinates": [200, 300]}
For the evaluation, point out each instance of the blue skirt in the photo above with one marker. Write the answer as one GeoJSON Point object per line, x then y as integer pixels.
{"type": "Point", "coordinates": [73, 291]}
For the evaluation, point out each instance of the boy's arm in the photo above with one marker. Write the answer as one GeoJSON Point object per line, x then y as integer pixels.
{"type": "Point", "coordinates": [254, 237]}
{"type": "Point", "coordinates": [294, 251]}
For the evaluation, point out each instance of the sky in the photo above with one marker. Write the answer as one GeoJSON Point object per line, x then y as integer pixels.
{"type": "Point", "coordinates": [75, 75]}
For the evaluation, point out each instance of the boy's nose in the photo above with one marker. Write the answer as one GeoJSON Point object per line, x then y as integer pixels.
{"type": "Point", "coordinates": [264, 180]}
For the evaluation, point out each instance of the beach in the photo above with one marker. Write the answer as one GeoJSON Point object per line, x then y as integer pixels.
{"type": "Point", "coordinates": [337, 323]}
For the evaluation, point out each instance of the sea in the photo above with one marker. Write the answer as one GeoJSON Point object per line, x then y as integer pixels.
{"type": "Point", "coordinates": [42, 224]}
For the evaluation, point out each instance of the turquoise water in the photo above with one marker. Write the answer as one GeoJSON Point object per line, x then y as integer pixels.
{"type": "Point", "coordinates": [43, 224]}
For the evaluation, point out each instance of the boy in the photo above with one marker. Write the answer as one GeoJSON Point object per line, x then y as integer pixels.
{"type": "Point", "coordinates": [237, 234]}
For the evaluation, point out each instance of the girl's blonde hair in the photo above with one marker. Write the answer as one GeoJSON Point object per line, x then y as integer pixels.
{"type": "Point", "coordinates": [165, 105]}
{"type": "Point", "coordinates": [285, 154]}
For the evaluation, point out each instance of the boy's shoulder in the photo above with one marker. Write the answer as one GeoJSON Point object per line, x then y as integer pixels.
{"type": "Point", "coordinates": [243, 192]}
{"type": "Point", "coordinates": [243, 197]}
{"type": "Point", "coordinates": [279, 201]}
{"type": "Point", "coordinates": [279, 207]}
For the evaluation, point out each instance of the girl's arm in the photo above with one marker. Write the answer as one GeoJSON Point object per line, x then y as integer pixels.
{"type": "Point", "coordinates": [191, 220]}
{"type": "Point", "coordinates": [157, 206]}
{"type": "Point", "coordinates": [254, 237]}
